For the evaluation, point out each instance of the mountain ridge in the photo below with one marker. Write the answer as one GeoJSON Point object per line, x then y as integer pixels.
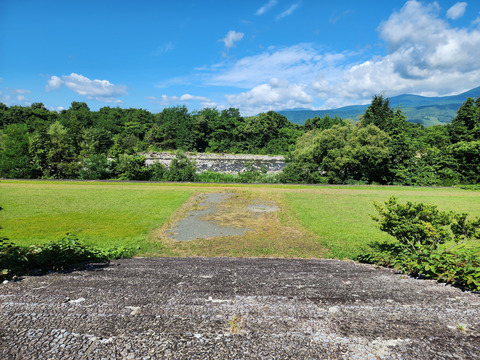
{"type": "Point", "coordinates": [418, 109]}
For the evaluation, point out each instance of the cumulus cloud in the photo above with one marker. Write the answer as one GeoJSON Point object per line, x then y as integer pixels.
{"type": "Point", "coordinates": [176, 100]}
{"type": "Point", "coordinates": [427, 44]}
{"type": "Point", "coordinates": [231, 37]}
{"type": "Point", "coordinates": [100, 90]}
{"type": "Point", "coordinates": [425, 55]}
{"type": "Point", "coordinates": [276, 95]}
{"type": "Point", "coordinates": [17, 96]}
{"type": "Point", "coordinates": [457, 10]}
{"type": "Point", "coordinates": [296, 63]}
{"type": "Point", "coordinates": [289, 11]}
{"type": "Point", "coordinates": [270, 4]}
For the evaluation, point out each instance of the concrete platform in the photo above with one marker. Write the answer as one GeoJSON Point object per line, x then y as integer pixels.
{"type": "Point", "coordinates": [230, 308]}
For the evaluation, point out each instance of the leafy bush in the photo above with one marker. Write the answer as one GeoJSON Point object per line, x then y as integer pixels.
{"type": "Point", "coordinates": [470, 187]}
{"type": "Point", "coordinates": [415, 225]}
{"type": "Point", "coordinates": [215, 177]}
{"type": "Point", "coordinates": [54, 256]}
{"type": "Point", "coordinates": [131, 167]}
{"type": "Point", "coordinates": [158, 171]}
{"type": "Point", "coordinates": [461, 268]}
{"type": "Point", "coordinates": [422, 232]}
{"type": "Point", "coordinates": [181, 168]}
{"type": "Point", "coordinates": [96, 167]}
{"type": "Point", "coordinates": [250, 175]}
{"type": "Point", "coordinates": [302, 173]}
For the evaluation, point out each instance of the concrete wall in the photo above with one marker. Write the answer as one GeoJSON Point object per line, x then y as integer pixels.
{"type": "Point", "coordinates": [224, 163]}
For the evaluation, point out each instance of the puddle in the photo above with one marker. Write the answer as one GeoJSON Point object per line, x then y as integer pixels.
{"type": "Point", "coordinates": [261, 208]}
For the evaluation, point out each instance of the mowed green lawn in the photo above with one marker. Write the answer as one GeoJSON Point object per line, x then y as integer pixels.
{"type": "Point", "coordinates": [101, 214]}
{"type": "Point", "coordinates": [340, 216]}
{"type": "Point", "coordinates": [127, 214]}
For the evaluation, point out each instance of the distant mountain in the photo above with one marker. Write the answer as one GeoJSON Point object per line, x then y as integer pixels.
{"type": "Point", "coordinates": [418, 109]}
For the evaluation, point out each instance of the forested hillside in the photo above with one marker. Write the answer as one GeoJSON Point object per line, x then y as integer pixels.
{"type": "Point", "coordinates": [383, 147]}
{"type": "Point", "coordinates": [427, 111]}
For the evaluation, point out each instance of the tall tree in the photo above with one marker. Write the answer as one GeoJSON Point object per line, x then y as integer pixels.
{"type": "Point", "coordinates": [15, 159]}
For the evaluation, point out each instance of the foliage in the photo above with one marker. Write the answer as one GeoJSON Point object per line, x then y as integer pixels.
{"type": "Point", "coordinates": [15, 161]}
{"type": "Point", "coordinates": [323, 123]}
{"type": "Point", "coordinates": [460, 268]}
{"type": "Point", "coordinates": [343, 154]}
{"type": "Point", "coordinates": [96, 167]}
{"type": "Point", "coordinates": [251, 175]}
{"type": "Point", "coordinates": [181, 168]}
{"type": "Point", "coordinates": [414, 225]}
{"type": "Point", "coordinates": [466, 125]}
{"type": "Point", "coordinates": [158, 171]}
{"type": "Point", "coordinates": [54, 256]}
{"type": "Point", "coordinates": [382, 147]}
{"type": "Point", "coordinates": [423, 233]}
{"type": "Point", "coordinates": [215, 177]}
{"type": "Point", "coordinates": [131, 167]}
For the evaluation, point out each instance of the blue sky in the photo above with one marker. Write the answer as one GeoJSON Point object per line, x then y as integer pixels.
{"type": "Point", "coordinates": [253, 55]}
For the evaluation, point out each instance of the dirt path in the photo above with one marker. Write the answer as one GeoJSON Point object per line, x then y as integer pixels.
{"type": "Point", "coordinates": [230, 308]}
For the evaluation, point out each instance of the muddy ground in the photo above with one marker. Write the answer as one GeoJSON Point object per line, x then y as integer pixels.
{"type": "Point", "coordinates": [230, 308]}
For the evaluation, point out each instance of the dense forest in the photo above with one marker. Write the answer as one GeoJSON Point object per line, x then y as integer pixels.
{"type": "Point", "coordinates": [382, 147]}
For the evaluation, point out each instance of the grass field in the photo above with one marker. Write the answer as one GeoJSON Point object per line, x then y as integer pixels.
{"type": "Point", "coordinates": [323, 221]}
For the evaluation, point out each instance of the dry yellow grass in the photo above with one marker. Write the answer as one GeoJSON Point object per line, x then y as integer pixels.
{"type": "Point", "coordinates": [271, 234]}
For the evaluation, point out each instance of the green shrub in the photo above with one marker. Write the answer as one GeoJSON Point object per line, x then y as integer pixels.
{"type": "Point", "coordinates": [215, 177]}
{"type": "Point", "coordinates": [422, 232]}
{"type": "Point", "coordinates": [158, 171]}
{"type": "Point", "coordinates": [131, 167]}
{"type": "Point", "coordinates": [181, 168]}
{"type": "Point", "coordinates": [415, 225]}
{"type": "Point", "coordinates": [96, 167]}
{"type": "Point", "coordinates": [301, 173]}
{"type": "Point", "coordinates": [55, 256]}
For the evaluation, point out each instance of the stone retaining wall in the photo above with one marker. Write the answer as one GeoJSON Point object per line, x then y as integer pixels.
{"type": "Point", "coordinates": [224, 163]}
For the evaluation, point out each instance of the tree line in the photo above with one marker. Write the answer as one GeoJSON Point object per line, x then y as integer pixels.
{"type": "Point", "coordinates": [382, 147]}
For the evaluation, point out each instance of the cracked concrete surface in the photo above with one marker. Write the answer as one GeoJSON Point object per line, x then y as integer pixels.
{"type": "Point", "coordinates": [230, 308]}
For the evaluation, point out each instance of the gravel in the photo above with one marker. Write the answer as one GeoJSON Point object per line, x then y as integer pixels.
{"type": "Point", "coordinates": [231, 308]}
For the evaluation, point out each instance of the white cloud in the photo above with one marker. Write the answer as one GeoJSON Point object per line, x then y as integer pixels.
{"type": "Point", "coordinates": [276, 95]}
{"type": "Point", "coordinates": [457, 10]}
{"type": "Point", "coordinates": [165, 48]}
{"type": "Point", "coordinates": [231, 37]}
{"type": "Point", "coordinates": [296, 63]}
{"type": "Point", "coordinates": [425, 55]}
{"type": "Point", "coordinates": [18, 91]}
{"type": "Point", "coordinates": [17, 97]}
{"type": "Point", "coordinates": [5, 99]}
{"type": "Point", "coordinates": [289, 11]}
{"type": "Point", "coordinates": [270, 4]}
{"type": "Point", "coordinates": [100, 90]}
{"type": "Point", "coordinates": [177, 100]}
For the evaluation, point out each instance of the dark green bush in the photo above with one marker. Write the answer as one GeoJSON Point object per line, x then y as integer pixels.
{"type": "Point", "coordinates": [158, 171]}
{"type": "Point", "coordinates": [215, 177]}
{"type": "Point", "coordinates": [58, 255]}
{"type": "Point", "coordinates": [423, 232]}
{"type": "Point", "coordinates": [181, 168]}
{"type": "Point", "coordinates": [131, 167]}
{"type": "Point", "coordinates": [96, 167]}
